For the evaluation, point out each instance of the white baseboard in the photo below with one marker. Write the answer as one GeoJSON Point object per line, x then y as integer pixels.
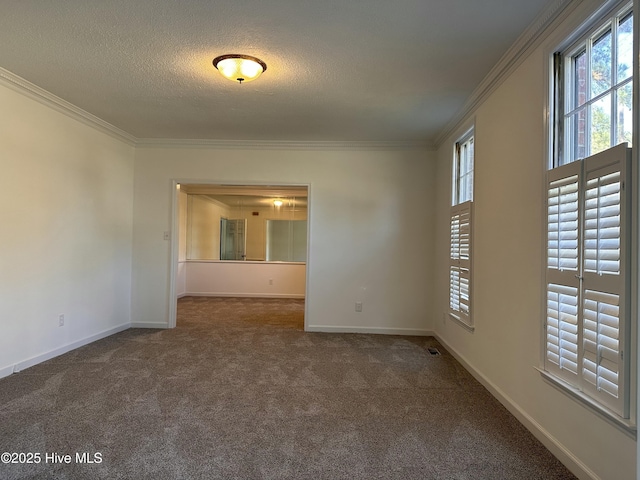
{"type": "Point", "coordinates": [149, 325]}
{"type": "Point", "coordinates": [375, 330]}
{"type": "Point", "coordinates": [246, 295]}
{"type": "Point", "coordinates": [578, 468]}
{"type": "Point", "coordinates": [6, 371]}
{"type": "Point", "coordinates": [30, 362]}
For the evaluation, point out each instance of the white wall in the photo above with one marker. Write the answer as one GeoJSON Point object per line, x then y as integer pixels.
{"type": "Point", "coordinates": [508, 274]}
{"type": "Point", "coordinates": [245, 279]}
{"type": "Point", "coordinates": [203, 227]}
{"type": "Point", "coordinates": [66, 209]}
{"type": "Point", "coordinates": [371, 217]}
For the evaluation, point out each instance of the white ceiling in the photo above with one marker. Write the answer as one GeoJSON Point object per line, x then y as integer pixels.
{"type": "Point", "coordinates": [338, 70]}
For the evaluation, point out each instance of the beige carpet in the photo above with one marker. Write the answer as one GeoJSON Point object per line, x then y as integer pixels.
{"type": "Point", "coordinates": [239, 391]}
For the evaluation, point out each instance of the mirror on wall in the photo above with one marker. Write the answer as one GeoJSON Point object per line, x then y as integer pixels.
{"type": "Point", "coordinates": [244, 223]}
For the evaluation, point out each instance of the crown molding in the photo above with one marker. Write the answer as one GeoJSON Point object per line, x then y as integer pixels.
{"type": "Point", "coordinates": [44, 97]}
{"type": "Point", "coordinates": [283, 144]}
{"type": "Point", "coordinates": [531, 38]}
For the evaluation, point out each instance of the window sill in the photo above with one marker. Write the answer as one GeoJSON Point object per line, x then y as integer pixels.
{"type": "Point", "coordinates": [461, 322]}
{"type": "Point", "coordinates": [625, 425]}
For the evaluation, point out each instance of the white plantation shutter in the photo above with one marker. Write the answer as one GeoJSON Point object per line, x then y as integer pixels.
{"type": "Point", "coordinates": [562, 331]}
{"type": "Point", "coordinates": [460, 263]}
{"type": "Point", "coordinates": [562, 218]}
{"type": "Point", "coordinates": [602, 224]}
{"type": "Point", "coordinates": [587, 284]}
{"type": "Point", "coordinates": [601, 364]}
{"type": "Point", "coordinates": [563, 261]}
{"type": "Point", "coordinates": [605, 278]}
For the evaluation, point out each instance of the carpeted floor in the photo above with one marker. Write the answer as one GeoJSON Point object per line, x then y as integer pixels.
{"type": "Point", "coordinates": [239, 391]}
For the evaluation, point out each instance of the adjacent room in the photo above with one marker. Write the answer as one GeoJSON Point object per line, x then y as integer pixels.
{"type": "Point", "coordinates": [241, 240]}
{"type": "Point", "coordinates": [319, 239]}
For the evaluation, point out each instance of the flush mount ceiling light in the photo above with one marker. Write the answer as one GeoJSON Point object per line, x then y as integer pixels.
{"type": "Point", "coordinates": [241, 68]}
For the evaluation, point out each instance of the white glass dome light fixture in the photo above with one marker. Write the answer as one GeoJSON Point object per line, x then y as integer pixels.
{"type": "Point", "coordinates": [240, 68]}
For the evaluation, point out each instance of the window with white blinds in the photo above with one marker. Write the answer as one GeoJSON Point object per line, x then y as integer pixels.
{"type": "Point", "coordinates": [587, 319]}
{"type": "Point", "coordinates": [460, 230]}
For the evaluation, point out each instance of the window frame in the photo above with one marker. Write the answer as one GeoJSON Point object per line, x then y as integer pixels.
{"type": "Point", "coordinates": [461, 239]}
{"type": "Point", "coordinates": [462, 145]}
{"type": "Point", "coordinates": [563, 149]}
{"type": "Point", "coordinates": [594, 22]}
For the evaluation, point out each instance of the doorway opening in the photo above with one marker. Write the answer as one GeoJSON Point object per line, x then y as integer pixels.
{"type": "Point", "coordinates": [239, 241]}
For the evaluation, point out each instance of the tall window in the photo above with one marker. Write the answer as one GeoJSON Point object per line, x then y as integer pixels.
{"type": "Point", "coordinates": [594, 87]}
{"type": "Point", "coordinates": [461, 228]}
{"type": "Point", "coordinates": [588, 303]}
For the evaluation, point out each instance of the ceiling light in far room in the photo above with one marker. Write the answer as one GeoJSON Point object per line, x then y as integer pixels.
{"type": "Point", "coordinates": [277, 203]}
{"type": "Point", "coordinates": [241, 68]}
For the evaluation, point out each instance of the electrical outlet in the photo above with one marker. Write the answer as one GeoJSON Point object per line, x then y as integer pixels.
{"type": "Point", "coordinates": [358, 306]}
{"type": "Point", "coordinates": [61, 320]}
{"type": "Point", "coordinates": [271, 281]}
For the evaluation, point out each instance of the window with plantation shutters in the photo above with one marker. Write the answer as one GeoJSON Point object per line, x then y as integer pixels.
{"type": "Point", "coordinates": [460, 231]}
{"type": "Point", "coordinates": [587, 319]}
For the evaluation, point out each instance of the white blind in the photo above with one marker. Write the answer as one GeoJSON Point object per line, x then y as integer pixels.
{"type": "Point", "coordinates": [602, 225]}
{"type": "Point", "coordinates": [461, 231]}
{"type": "Point", "coordinates": [460, 262]}
{"type": "Point", "coordinates": [604, 274]}
{"type": "Point", "coordinates": [562, 230]}
{"type": "Point", "coordinates": [459, 294]}
{"type": "Point", "coordinates": [562, 330]}
{"type": "Point", "coordinates": [601, 364]}
{"type": "Point", "coordinates": [562, 351]}
{"type": "Point", "coordinates": [586, 276]}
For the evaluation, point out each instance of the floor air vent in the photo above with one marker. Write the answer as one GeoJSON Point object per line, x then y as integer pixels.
{"type": "Point", "coordinates": [433, 351]}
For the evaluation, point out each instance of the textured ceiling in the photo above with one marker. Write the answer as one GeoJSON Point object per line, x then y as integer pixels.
{"type": "Point", "coordinates": [338, 70]}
